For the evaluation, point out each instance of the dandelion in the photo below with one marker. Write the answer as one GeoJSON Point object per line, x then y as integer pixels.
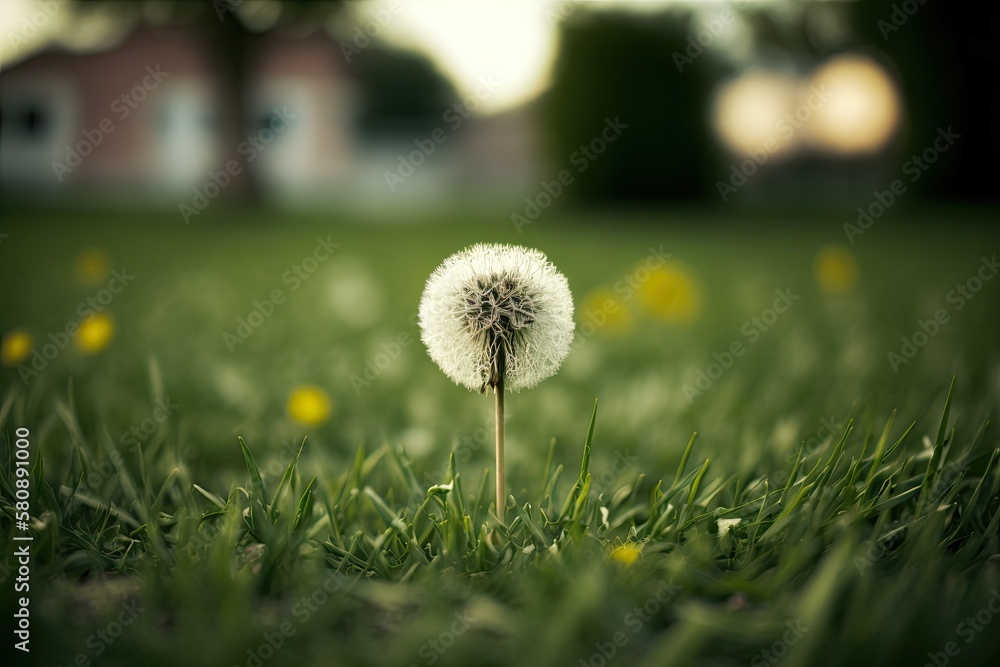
{"type": "Point", "coordinates": [836, 269]}
{"type": "Point", "coordinates": [627, 553]}
{"type": "Point", "coordinates": [672, 293]}
{"type": "Point", "coordinates": [95, 333]}
{"type": "Point", "coordinates": [309, 405]}
{"type": "Point", "coordinates": [92, 266]}
{"type": "Point", "coordinates": [497, 317]}
{"type": "Point", "coordinates": [16, 347]}
{"type": "Point", "coordinates": [606, 312]}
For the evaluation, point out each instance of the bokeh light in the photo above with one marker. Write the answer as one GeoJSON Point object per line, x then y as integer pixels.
{"type": "Point", "coordinates": [606, 311]}
{"type": "Point", "coordinates": [92, 266]}
{"type": "Point", "coordinates": [836, 269]}
{"type": "Point", "coordinates": [672, 293]}
{"type": "Point", "coordinates": [747, 110]}
{"type": "Point", "coordinates": [849, 105]}
{"type": "Point", "coordinates": [15, 347]}
{"type": "Point", "coordinates": [95, 334]}
{"type": "Point", "coordinates": [309, 405]}
{"type": "Point", "coordinates": [355, 296]}
{"type": "Point", "coordinates": [863, 109]}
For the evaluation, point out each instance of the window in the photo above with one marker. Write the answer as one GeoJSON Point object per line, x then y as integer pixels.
{"type": "Point", "coordinates": [30, 121]}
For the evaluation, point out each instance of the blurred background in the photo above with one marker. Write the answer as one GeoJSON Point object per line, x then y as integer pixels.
{"type": "Point", "coordinates": [831, 98]}
{"type": "Point", "coordinates": [217, 218]}
{"type": "Point", "coordinates": [235, 204]}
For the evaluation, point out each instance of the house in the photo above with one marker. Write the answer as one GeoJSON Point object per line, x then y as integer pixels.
{"type": "Point", "coordinates": [147, 121]}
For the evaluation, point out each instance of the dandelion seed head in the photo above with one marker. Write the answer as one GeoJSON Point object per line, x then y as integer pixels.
{"type": "Point", "coordinates": [492, 310]}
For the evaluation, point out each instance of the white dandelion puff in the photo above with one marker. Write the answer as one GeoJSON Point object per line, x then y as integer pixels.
{"type": "Point", "coordinates": [497, 311]}
{"type": "Point", "coordinates": [500, 317]}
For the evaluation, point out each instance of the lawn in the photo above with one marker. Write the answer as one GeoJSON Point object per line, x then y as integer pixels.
{"type": "Point", "coordinates": [247, 457]}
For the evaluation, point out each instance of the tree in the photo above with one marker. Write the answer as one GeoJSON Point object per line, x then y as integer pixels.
{"type": "Point", "coordinates": [400, 91]}
{"type": "Point", "coordinates": [621, 65]}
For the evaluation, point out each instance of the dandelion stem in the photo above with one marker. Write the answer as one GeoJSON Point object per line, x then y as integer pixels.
{"type": "Point", "coordinates": [501, 474]}
{"type": "Point", "coordinates": [501, 481]}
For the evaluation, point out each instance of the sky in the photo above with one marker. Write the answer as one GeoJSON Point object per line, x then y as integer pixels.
{"type": "Point", "coordinates": [513, 41]}
{"type": "Point", "coordinates": [26, 26]}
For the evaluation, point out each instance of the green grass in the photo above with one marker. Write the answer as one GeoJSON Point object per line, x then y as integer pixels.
{"type": "Point", "coordinates": [867, 501]}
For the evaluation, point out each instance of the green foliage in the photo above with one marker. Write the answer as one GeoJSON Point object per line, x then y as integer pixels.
{"type": "Point", "coordinates": [825, 548]}
{"type": "Point", "coordinates": [373, 542]}
{"type": "Point", "coordinates": [614, 64]}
